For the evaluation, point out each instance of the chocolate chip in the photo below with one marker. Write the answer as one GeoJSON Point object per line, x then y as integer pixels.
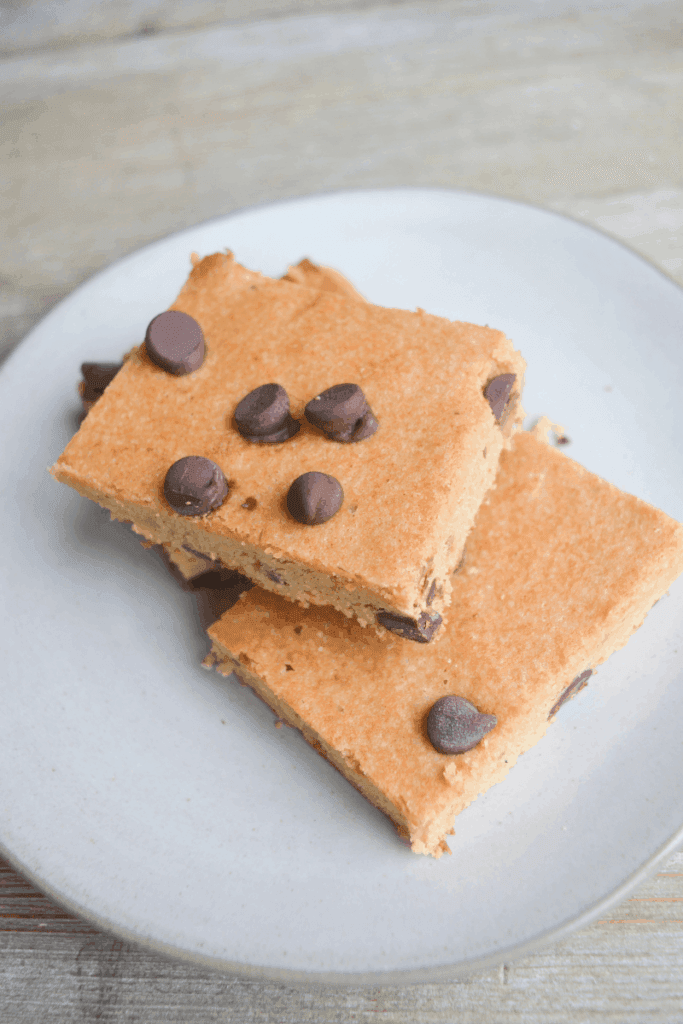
{"type": "Point", "coordinates": [175, 342]}
{"type": "Point", "coordinates": [96, 377]}
{"type": "Point", "coordinates": [99, 375]}
{"type": "Point", "coordinates": [250, 504]}
{"type": "Point", "coordinates": [497, 393]}
{"type": "Point", "coordinates": [342, 413]}
{"type": "Point", "coordinates": [220, 579]}
{"type": "Point", "coordinates": [274, 577]}
{"type": "Point", "coordinates": [214, 601]}
{"type": "Point", "coordinates": [432, 593]}
{"type": "Point", "coordinates": [421, 630]}
{"type": "Point", "coordinates": [195, 485]}
{"type": "Point", "coordinates": [455, 726]}
{"type": "Point", "coordinates": [263, 415]}
{"type": "Point", "coordinates": [573, 688]}
{"type": "Point", "coordinates": [314, 498]}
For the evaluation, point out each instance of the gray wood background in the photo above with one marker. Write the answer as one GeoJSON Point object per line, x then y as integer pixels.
{"type": "Point", "coordinates": [127, 120]}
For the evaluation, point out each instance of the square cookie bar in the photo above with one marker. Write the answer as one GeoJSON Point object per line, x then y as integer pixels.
{"type": "Point", "coordinates": [333, 451]}
{"type": "Point", "coordinates": [559, 570]}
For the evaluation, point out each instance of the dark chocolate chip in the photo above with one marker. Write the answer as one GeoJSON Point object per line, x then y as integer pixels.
{"type": "Point", "coordinates": [342, 413]}
{"type": "Point", "coordinates": [175, 342]}
{"type": "Point", "coordinates": [250, 504]}
{"type": "Point", "coordinates": [455, 726]}
{"type": "Point", "coordinates": [214, 601]}
{"type": "Point", "coordinates": [274, 577]}
{"type": "Point", "coordinates": [195, 485]}
{"type": "Point", "coordinates": [421, 630]}
{"type": "Point", "coordinates": [218, 579]}
{"type": "Point", "coordinates": [314, 498]}
{"type": "Point", "coordinates": [432, 593]}
{"type": "Point", "coordinates": [263, 415]}
{"type": "Point", "coordinates": [497, 393]}
{"type": "Point", "coordinates": [98, 376]}
{"type": "Point", "coordinates": [573, 688]}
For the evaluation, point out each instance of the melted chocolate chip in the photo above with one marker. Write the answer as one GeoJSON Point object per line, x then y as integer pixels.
{"type": "Point", "coordinates": [195, 485]}
{"type": "Point", "coordinates": [497, 393]}
{"type": "Point", "coordinates": [175, 342]}
{"type": "Point", "coordinates": [455, 726]}
{"type": "Point", "coordinates": [250, 504]}
{"type": "Point", "coordinates": [421, 630]}
{"type": "Point", "coordinates": [314, 498]}
{"type": "Point", "coordinates": [263, 415]}
{"type": "Point", "coordinates": [342, 413]}
{"type": "Point", "coordinates": [573, 688]}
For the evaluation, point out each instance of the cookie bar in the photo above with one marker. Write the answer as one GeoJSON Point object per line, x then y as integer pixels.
{"type": "Point", "coordinates": [559, 570]}
{"type": "Point", "coordinates": [333, 451]}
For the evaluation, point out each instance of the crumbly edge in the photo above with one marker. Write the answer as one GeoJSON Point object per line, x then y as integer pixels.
{"type": "Point", "coordinates": [300, 584]}
{"type": "Point", "coordinates": [225, 663]}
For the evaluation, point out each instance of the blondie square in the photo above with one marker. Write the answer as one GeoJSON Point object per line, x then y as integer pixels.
{"type": "Point", "coordinates": [559, 570]}
{"type": "Point", "coordinates": [434, 402]}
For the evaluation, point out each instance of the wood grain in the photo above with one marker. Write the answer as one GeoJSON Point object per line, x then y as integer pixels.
{"type": "Point", "coordinates": [627, 969]}
{"type": "Point", "coordinates": [108, 146]}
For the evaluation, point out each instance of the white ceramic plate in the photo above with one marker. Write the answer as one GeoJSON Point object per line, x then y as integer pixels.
{"type": "Point", "coordinates": [158, 800]}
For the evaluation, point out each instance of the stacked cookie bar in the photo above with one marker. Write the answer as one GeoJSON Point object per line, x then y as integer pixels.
{"type": "Point", "coordinates": [430, 584]}
{"type": "Point", "coordinates": [333, 451]}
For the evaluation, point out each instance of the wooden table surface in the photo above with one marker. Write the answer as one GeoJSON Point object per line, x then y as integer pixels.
{"type": "Point", "coordinates": [125, 121]}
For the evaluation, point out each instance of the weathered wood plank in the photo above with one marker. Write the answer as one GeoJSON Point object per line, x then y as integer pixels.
{"type": "Point", "coordinates": [99, 979]}
{"type": "Point", "coordinates": [112, 145]}
{"type": "Point", "coordinates": [27, 25]}
{"type": "Point", "coordinates": [624, 972]}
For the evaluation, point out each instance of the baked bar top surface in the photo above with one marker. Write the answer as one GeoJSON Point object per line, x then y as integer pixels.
{"type": "Point", "coordinates": [559, 569]}
{"type": "Point", "coordinates": [406, 489]}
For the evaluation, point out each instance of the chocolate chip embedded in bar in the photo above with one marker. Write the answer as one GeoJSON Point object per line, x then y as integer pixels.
{"type": "Point", "coordinates": [194, 486]}
{"type": "Point", "coordinates": [175, 342]}
{"type": "Point", "coordinates": [217, 591]}
{"type": "Point", "coordinates": [263, 415]}
{"type": "Point", "coordinates": [412, 488]}
{"type": "Point", "coordinates": [342, 413]}
{"type": "Point", "coordinates": [96, 377]}
{"type": "Point", "coordinates": [497, 393]}
{"type": "Point", "coordinates": [217, 579]}
{"type": "Point", "coordinates": [454, 725]}
{"type": "Point", "coordinates": [421, 629]}
{"type": "Point", "coordinates": [573, 688]}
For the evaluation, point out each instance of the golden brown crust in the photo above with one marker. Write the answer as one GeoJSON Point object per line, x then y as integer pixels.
{"type": "Point", "coordinates": [561, 568]}
{"type": "Point", "coordinates": [411, 490]}
{"type": "Point", "coordinates": [323, 279]}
